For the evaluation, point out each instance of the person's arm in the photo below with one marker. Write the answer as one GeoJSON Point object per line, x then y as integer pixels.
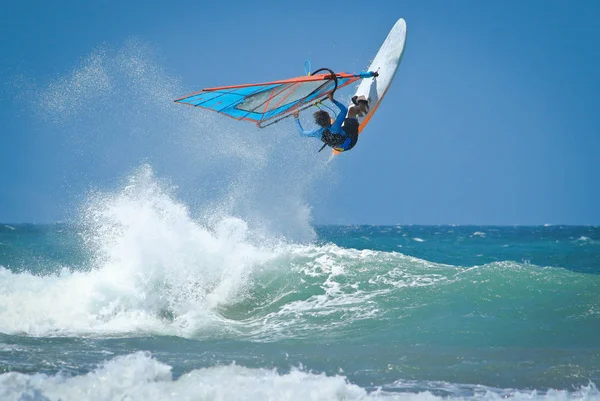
{"type": "Point", "coordinates": [312, 133]}
{"type": "Point", "coordinates": [339, 120]}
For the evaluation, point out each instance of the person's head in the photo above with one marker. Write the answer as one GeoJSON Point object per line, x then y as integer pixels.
{"type": "Point", "coordinates": [322, 118]}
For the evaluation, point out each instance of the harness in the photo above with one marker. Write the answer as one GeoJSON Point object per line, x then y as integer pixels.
{"type": "Point", "coordinates": [331, 139]}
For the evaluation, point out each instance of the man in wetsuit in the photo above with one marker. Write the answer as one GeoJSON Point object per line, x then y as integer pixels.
{"type": "Point", "coordinates": [342, 135]}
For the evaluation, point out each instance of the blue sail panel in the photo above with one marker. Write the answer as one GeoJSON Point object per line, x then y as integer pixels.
{"type": "Point", "coordinates": [262, 103]}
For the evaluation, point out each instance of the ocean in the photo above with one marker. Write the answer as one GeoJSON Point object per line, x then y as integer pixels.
{"type": "Point", "coordinates": [208, 312]}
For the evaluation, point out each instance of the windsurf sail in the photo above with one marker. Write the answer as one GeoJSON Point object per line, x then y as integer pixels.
{"type": "Point", "coordinates": [269, 102]}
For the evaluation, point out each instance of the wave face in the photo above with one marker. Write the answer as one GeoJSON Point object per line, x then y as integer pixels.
{"type": "Point", "coordinates": [145, 265]}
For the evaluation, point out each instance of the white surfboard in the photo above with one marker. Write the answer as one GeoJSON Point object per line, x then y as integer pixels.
{"type": "Point", "coordinates": [386, 64]}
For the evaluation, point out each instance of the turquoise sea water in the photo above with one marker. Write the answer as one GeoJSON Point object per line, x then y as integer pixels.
{"type": "Point", "coordinates": [363, 311]}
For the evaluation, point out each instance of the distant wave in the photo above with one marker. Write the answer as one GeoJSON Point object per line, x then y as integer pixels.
{"type": "Point", "coordinates": [6, 228]}
{"type": "Point", "coordinates": [586, 240]}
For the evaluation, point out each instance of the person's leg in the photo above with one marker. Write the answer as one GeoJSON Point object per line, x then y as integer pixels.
{"type": "Point", "coordinates": [358, 111]}
{"type": "Point", "coordinates": [361, 107]}
{"type": "Point", "coordinates": [353, 112]}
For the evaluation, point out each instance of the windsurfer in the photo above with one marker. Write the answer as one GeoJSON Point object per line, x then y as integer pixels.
{"type": "Point", "coordinates": [342, 134]}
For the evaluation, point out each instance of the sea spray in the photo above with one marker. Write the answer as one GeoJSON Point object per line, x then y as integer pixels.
{"type": "Point", "coordinates": [114, 112]}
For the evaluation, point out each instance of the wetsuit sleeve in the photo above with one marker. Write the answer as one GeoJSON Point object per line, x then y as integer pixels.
{"type": "Point", "coordinates": [339, 120]}
{"type": "Point", "coordinates": [316, 133]}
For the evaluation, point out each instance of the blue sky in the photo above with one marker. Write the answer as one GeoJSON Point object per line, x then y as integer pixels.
{"type": "Point", "coordinates": [493, 117]}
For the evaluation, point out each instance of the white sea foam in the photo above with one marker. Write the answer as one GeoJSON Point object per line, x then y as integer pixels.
{"type": "Point", "coordinates": [138, 376]}
{"type": "Point", "coordinates": [154, 269]}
